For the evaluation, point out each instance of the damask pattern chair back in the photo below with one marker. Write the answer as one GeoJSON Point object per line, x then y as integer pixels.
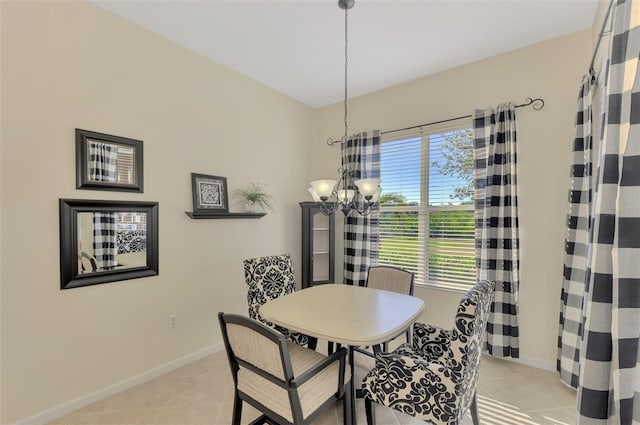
{"type": "Point", "coordinates": [267, 278]}
{"type": "Point", "coordinates": [435, 378]}
{"type": "Point", "coordinates": [467, 338]}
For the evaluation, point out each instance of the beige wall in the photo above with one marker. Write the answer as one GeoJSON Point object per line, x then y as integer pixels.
{"type": "Point", "coordinates": [71, 64]}
{"type": "Point", "coordinates": [549, 70]}
{"type": "Point", "coordinates": [68, 65]}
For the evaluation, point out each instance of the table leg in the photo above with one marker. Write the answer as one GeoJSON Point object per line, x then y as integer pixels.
{"type": "Point", "coordinates": [352, 386]}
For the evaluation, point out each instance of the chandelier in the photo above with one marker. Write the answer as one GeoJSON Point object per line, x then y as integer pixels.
{"type": "Point", "coordinates": [332, 195]}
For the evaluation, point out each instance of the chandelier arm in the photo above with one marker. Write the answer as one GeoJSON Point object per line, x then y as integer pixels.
{"type": "Point", "coordinates": [329, 208]}
{"type": "Point", "coordinates": [365, 210]}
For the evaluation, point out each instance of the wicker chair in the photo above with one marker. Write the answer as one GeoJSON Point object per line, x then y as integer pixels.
{"type": "Point", "coordinates": [387, 278]}
{"type": "Point", "coordinates": [392, 279]}
{"type": "Point", "coordinates": [288, 383]}
{"type": "Point", "coordinates": [268, 278]}
{"type": "Point", "coordinates": [435, 378]}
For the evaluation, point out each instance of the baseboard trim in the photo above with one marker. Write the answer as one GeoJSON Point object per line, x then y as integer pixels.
{"type": "Point", "coordinates": [75, 404]}
{"type": "Point", "coordinates": [533, 362]}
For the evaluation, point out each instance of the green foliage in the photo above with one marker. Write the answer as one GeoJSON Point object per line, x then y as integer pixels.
{"type": "Point", "coordinates": [443, 224]}
{"type": "Point", "coordinates": [256, 194]}
{"type": "Point", "coordinates": [451, 249]}
{"type": "Point", "coordinates": [451, 224]}
{"type": "Point", "coordinates": [443, 264]}
{"type": "Point", "coordinates": [393, 199]}
{"type": "Point", "coordinates": [457, 162]}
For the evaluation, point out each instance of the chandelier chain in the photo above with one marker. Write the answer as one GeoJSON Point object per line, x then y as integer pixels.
{"type": "Point", "coordinates": [346, 62]}
{"type": "Point", "coordinates": [331, 195]}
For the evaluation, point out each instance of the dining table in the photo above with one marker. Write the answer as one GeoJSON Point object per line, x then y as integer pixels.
{"type": "Point", "coordinates": [353, 316]}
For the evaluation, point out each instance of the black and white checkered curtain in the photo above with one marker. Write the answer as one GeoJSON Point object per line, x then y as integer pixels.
{"type": "Point", "coordinates": [576, 243]}
{"type": "Point", "coordinates": [361, 157]}
{"type": "Point", "coordinates": [609, 386]}
{"type": "Point", "coordinates": [102, 162]}
{"type": "Point", "coordinates": [496, 215]}
{"type": "Point", "coordinates": [104, 240]}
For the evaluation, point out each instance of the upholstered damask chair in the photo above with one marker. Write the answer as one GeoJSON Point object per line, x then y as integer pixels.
{"type": "Point", "coordinates": [268, 278]}
{"type": "Point", "coordinates": [435, 378]}
{"type": "Point", "coordinates": [289, 384]}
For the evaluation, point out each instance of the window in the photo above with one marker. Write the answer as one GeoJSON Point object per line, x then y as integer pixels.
{"type": "Point", "coordinates": [427, 208]}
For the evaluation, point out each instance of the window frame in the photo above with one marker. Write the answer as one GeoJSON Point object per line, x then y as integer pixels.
{"type": "Point", "coordinates": [424, 210]}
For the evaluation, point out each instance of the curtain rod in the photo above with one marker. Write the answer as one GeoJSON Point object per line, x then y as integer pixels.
{"type": "Point", "coordinates": [600, 35]}
{"type": "Point", "coordinates": [537, 103]}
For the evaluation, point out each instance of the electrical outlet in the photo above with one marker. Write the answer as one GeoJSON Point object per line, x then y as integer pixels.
{"type": "Point", "coordinates": [173, 319]}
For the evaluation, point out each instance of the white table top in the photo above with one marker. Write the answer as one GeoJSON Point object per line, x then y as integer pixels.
{"type": "Point", "coordinates": [349, 315]}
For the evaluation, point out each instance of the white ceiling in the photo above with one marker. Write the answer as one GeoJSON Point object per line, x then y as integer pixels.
{"type": "Point", "coordinates": [297, 46]}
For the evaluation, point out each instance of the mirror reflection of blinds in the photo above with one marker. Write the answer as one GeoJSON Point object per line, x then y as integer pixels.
{"type": "Point", "coordinates": [125, 165]}
{"type": "Point", "coordinates": [131, 221]}
{"type": "Point", "coordinates": [427, 212]}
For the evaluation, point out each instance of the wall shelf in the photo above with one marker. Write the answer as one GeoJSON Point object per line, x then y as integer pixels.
{"type": "Point", "coordinates": [202, 216]}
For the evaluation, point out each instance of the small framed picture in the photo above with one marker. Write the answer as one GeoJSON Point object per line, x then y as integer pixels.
{"type": "Point", "coordinates": [209, 194]}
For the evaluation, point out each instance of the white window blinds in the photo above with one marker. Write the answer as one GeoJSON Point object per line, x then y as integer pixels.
{"type": "Point", "coordinates": [426, 210]}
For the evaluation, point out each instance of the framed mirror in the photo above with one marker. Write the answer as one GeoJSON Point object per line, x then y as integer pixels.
{"type": "Point", "coordinates": [107, 241]}
{"type": "Point", "coordinates": [107, 162]}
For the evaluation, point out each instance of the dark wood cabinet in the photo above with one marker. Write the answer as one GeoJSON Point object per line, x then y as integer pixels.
{"type": "Point", "coordinates": [318, 245]}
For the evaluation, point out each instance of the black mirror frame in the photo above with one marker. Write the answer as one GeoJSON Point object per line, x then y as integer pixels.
{"type": "Point", "coordinates": [82, 180]}
{"type": "Point", "coordinates": [69, 209]}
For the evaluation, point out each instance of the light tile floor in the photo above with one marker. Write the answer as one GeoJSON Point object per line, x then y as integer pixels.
{"type": "Point", "coordinates": [201, 393]}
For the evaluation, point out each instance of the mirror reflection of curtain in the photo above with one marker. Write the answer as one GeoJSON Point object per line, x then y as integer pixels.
{"type": "Point", "coordinates": [102, 161]}
{"type": "Point", "coordinates": [104, 240]}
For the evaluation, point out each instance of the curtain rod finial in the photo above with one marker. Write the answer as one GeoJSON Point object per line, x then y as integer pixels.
{"type": "Point", "coordinates": [537, 104]}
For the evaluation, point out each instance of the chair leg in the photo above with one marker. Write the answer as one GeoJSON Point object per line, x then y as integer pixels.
{"type": "Point", "coordinates": [346, 408]}
{"type": "Point", "coordinates": [474, 409]}
{"type": "Point", "coordinates": [237, 410]}
{"type": "Point", "coordinates": [370, 412]}
{"type": "Point", "coordinates": [313, 343]}
{"type": "Point", "coordinates": [262, 420]}
{"type": "Point", "coordinates": [329, 348]}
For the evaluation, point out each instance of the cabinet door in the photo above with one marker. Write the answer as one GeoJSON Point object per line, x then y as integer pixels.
{"type": "Point", "coordinates": [318, 256]}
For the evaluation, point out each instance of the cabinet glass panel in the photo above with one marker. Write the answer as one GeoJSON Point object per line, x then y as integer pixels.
{"type": "Point", "coordinates": [320, 241]}
{"type": "Point", "coordinates": [318, 255]}
{"type": "Point", "coordinates": [321, 267]}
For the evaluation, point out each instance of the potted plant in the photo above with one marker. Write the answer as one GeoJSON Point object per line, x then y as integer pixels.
{"type": "Point", "coordinates": [255, 198]}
